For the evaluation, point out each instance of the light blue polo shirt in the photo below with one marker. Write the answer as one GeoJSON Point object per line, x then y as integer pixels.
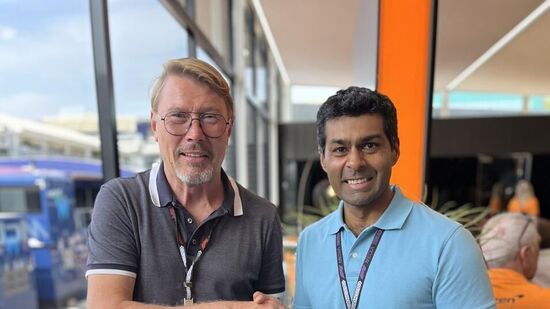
{"type": "Point", "coordinates": [424, 260]}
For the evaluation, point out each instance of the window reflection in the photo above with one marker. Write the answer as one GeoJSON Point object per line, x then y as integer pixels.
{"type": "Point", "coordinates": [48, 146]}
{"type": "Point", "coordinates": [212, 16]}
{"type": "Point", "coordinates": [248, 54]}
{"type": "Point", "coordinates": [143, 36]}
{"type": "Point", "coordinates": [488, 104]}
{"type": "Point", "coordinates": [261, 72]}
{"type": "Point", "coordinates": [252, 148]}
{"type": "Point", "coordinates": [230, 160]}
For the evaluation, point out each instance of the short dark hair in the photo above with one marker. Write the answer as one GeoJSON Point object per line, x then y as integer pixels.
{"type": "Point", "coordinates": [355, 102]}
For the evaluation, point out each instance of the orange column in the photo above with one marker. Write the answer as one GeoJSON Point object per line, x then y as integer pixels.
{"type": "Point", "coordinates": [404, 74]}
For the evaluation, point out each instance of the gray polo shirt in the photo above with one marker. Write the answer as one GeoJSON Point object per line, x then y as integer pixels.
{"type": "Point", "coordinates": [133, 234]}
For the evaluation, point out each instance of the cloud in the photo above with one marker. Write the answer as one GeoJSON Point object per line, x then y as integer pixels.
{"type": "Point", "coordinates": [52, 61]}
{"type": "Point", "coordinates": [7, 33]}
{"type": "Point", "coordinates": [28, 104]}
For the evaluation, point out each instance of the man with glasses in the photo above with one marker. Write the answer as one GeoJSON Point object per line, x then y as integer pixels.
{"type": "Point", "coordinates": [184, 232]}
{"type": "Point", "coordinates": [510, 244]}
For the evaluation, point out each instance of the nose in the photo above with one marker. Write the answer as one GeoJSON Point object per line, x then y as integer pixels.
{"type": "Point", "coordinates": [355, 160]}
{"type": "Point", "coordinates": [195, 131]}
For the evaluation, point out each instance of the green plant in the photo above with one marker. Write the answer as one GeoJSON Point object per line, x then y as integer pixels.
{"type": "Point", "coordinates": [325, 201]}
{"type": "Point", "coordinates": [470, 216]}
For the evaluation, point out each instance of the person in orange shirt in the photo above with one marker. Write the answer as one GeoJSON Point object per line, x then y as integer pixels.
{"type": "Point", "coordinates": [524, 199]}
{"type": "Point", "coordinates": [496, 203]}
{"type": "Point", "coordinates": [510, 244]}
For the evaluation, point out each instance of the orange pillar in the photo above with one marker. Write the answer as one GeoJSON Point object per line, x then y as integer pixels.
{"type": "Point", "coordinates": [404, 74]}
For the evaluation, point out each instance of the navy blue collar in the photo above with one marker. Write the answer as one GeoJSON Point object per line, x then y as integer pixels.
{"type": "Point", "coordinates": [162, 195]}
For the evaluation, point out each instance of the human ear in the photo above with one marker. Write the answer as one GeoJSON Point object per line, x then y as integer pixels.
{"type": "Point", "coordinates": [395, 153]}
{"type": "Point", "coordinates": [230, 128]}
{"type": "Point", "coordinates": [154, 125]}
{"type": "Point", "coordinates": [322, 159]}
{"type": "Point", "coordinates": [528, 261]}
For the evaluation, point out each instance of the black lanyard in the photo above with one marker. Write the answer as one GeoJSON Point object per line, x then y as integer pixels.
{"type": "Point", "coordinates": [352, 303]}
{"type": "Point", "coordinates": [181, 243]}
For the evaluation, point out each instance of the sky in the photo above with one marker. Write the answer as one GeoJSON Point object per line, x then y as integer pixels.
{"type": "Point", "coordinates": [47, 69]}
{"type": "Point", "coordinates": [46, 56]}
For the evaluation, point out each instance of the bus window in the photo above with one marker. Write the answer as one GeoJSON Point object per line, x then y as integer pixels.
{"type": "Point", "coordinates": [20, 199]}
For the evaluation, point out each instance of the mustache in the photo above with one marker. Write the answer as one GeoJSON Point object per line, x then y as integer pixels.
{"type": "Point", "coordinates": [357, 174]}
{"type": "Point", "coordinates": [195, 146]}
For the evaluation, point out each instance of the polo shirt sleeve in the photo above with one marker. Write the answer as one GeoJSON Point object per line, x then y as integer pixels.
{"type": "Point", "coordinates": [111, 241]}
{"type": "Point", "coordinates": [271, 279]}
{"type": "Point", "coordinates": [301, 301]}
{"type": "Point", "coordinates": [461, 280]}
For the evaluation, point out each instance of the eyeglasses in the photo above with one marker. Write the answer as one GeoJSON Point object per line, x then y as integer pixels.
{"type": "Point", "coordinates": [498, 248]}
{"type": "Point", "coordinates": [178, 123]}
{"type": "Point", "coordinates": [528, 221]}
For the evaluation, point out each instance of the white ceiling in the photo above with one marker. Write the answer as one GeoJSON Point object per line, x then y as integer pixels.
{"type": "Point", "coordinates": [316, 37]}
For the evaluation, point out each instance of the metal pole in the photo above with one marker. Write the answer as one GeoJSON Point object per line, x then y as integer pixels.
{"type": "Point", "coordinates": [104, 88]}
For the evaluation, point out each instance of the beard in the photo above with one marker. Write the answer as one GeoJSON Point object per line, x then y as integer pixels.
{"type": "Point", "coordinates": [193, 174]}
{"type": "Point", "coordinates": [202, 177]}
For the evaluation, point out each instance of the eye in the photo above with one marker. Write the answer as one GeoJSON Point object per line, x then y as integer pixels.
{"type": "Point", "coordinates": [211, 118]}
{"type": "Point", "coordinates": [178, 117]}
{"type": "Point", "coordinates": [370, 147]}
{"type": "Point", "coordinates": [339, 150]}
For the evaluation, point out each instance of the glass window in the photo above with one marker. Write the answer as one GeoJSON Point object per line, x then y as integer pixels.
{"type": "Point", "coordinates": [230, 160]}
{"type": "Point", "coordinates": [248, 53]}
{"type": "Point", "coordinates": [143, 36]}
{"type": "Point", "coordinates": [539, 105]}
{"type": "Point", "coordinates": [20, 199]}
{"type": "Point", "coordinates": [261, 73]}
{"type": "Point", "coordinates": [306, 100]}
{"type": "Point", "coordinates": [490, 104]}
{"type": "Point", "coordinates": [47, 84]}
{"type": "Point", "coordinates": [212, 16]}
{"type": "Point", "coordinates": [229, 163]}
{"type": "Point", "coordinates": [505, 103]}
{"type": "Point", "coordinates": [183, 4]}
{"type": "Point", "coordinates": [265, 146]}
{"type": "Point", "coordinates": [252, 144]}
{"type": "Point", "coordinates": [202, 55]}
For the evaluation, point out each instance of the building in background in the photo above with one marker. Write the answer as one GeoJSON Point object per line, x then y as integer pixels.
{"type": "Point", "coordinates": [282, 58]}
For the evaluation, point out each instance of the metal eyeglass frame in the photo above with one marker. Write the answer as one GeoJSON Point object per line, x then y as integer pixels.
{"type": "Point", "coordinates": [199, 118]}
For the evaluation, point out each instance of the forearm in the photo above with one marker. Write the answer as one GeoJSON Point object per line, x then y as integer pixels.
{"type": "Point", "coordinates": [208, 305]}
{"type": "Point", "coordinates": [226, 305]}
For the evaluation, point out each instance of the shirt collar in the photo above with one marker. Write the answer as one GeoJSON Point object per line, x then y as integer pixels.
{"type": "Point", "coordinates": [161, 194]}
{"type": "Point", "coordinates": [336, 222]}
{"type": "Point", "coordinates": [393, 218]}
{"type": "Point", "coordinates": [397, 212]}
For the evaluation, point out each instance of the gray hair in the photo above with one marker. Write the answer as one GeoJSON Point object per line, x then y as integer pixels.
{"type": "Point", "coordinates": [199, 71]}
{"type": "Point", "coordinates": [500, 238]}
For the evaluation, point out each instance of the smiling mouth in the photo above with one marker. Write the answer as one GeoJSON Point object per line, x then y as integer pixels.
{"type": "Point", "coordinates": [193, 155]}
{"type": "Point", "coordinates": [358, 181]}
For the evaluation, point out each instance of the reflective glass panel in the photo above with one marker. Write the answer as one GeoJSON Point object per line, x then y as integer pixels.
{"type": "Point", "coordinates": [143, 37]}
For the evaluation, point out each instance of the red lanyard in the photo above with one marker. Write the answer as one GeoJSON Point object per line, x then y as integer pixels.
{"type": "Point", "coordinates": [351, 303]}
{"type": "Point", "coordinates": [181, 243]}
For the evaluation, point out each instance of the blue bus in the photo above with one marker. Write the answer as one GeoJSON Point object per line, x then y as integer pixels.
{"type": "Point", "coordinates": [17, 281]}
{"type": "Point", "coordinates": [54, 199]}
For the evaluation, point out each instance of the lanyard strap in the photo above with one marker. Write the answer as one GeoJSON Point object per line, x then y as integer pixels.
{"type": "Point", "coordinates": [181, 243]}
{"type": "Point", "coordinates": [352, 303]}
